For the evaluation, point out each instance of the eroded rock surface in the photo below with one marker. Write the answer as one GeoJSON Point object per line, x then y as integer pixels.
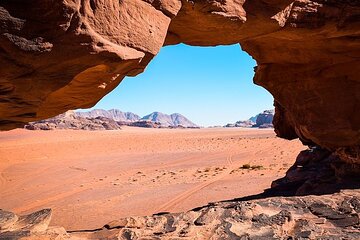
{"type": "Point", "coordinates": [31, 226]}
{"type": "Point", "coordinates": [313, 217]}
{"type": "Point", "coordinates": [61, 55]}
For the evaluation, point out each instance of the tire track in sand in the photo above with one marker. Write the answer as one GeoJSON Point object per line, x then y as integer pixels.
{"type": "Point", "coordinates": [183, 196]}
{"type": "Point", "coordinates": [2, 179]}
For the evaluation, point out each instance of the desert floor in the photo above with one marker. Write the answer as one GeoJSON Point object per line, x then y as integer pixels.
{"type": "Point", "coordinates": [89, 178]}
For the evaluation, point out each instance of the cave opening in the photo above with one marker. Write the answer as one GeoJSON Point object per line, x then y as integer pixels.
{"type": "Point", "coordinates": [212, 86]}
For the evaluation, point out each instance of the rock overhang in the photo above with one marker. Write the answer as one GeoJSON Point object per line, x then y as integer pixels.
{"type": "Point", "coordinates": [60, 55]}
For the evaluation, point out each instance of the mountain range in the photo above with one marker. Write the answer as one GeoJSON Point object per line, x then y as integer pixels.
{"type": "Point", "coordinates": [114, 114]}
{"type": "Point", "coordinates": [112, 119]}
{"type": "Point", "coordinates": [164, 120]}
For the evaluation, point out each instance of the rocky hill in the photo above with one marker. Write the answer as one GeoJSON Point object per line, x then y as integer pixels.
{"type": "Point", "coordinates": [173, 120]}
{"type": "Point", "coordinates": [265, 119]}
{"type": "Point", "coordinates": [70, 120]}
{"type": "Point", "coordinates": [261, 120]}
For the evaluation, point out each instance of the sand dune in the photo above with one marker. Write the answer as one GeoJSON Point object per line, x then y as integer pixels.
{"type": "Point", "coordinates": [90, 178]}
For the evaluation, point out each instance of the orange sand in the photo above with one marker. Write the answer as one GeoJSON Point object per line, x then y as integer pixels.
{"type": "Point", "coordinates": [90, 178]}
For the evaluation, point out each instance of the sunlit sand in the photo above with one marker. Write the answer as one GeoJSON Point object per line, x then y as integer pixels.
{"type": "Point", "coordinates": [89, 178]}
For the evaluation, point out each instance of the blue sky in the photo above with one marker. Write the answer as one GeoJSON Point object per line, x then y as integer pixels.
{"type": "Point", "coordinates": [208, 85]}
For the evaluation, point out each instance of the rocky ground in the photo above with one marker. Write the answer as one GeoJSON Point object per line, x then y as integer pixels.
{"type": "Point", "coordinates": [333, 216]}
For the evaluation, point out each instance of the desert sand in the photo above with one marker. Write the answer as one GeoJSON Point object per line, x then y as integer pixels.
{"type": "Point", "coordinates": [90, 178]}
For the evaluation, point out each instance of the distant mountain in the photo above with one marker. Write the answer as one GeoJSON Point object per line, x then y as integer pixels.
{"type": "Point", "coordinates": [271, 112]}
{"type": "Point", "coordinates": [132, 119]}
{"type": "Point", "coordinates": [173, 120]}
{"type": "Point", "coordinates": [114, 114]}
{"type": "Point", "coordinates": [265, 119]}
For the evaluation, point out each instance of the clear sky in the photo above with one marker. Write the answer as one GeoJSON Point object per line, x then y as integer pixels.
{"type": "Point", "coordinates": [209, 85]}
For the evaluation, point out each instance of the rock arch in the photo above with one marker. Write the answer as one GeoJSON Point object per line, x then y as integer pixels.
{"type": "Point", "coordinates": [60, 55]}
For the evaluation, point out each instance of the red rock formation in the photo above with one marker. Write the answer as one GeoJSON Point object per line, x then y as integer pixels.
{"type": "Point", "coordinates": [60, 55]}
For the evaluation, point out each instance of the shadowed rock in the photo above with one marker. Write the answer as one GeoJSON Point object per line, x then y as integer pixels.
{"type": "Point", "coordinates": [318, 171]}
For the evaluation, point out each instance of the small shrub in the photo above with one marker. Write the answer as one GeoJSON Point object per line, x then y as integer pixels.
{"type": "Point", "coordinates": [246, 166]}
{"type": "Point", "coordinates": [257, 167]}
{"type": "Point", "coordinates": [254, 167]}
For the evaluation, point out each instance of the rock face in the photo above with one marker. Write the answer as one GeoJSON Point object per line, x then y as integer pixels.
{"type": "Point", "coordinates": [313, 217]}
{"type": "Point", "coordinates": [70, 120]}
{"type": "Point", "coordinates": [60, 55]}
{"type": "Point", "coordinates": [173, 120]}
